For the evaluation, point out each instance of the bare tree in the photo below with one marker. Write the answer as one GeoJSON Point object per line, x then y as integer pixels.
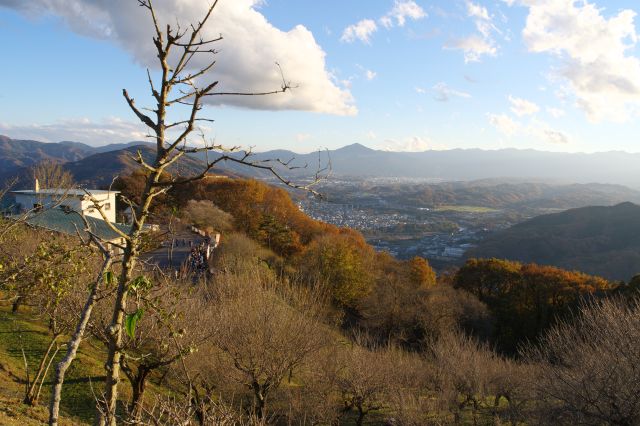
{"type": "Point", "coordinates": [52, 175]}
{"type": "Point", "coordinates": [161, 335]}
{"type": "Point", "coordinates": [265, 331]}
{"type": "Point", "coordinates": [104, 276]}
{"type": "Point", "coordinates": [364, 377]}
{"type": "Point", "coordinates": [179, 84]}
{"type": "Point", "coordinates": [587, 368]}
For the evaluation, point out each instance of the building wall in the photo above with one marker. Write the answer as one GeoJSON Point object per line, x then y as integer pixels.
{"type": "Point", "coordinates": [77, 203]}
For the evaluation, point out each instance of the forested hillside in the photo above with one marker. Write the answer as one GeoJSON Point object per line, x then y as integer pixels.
{"type": "Point", "coordinates": [597, 240]}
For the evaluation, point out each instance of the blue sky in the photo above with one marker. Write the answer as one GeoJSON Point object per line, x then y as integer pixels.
{"type": "Point", "coordinates": [556, 75]}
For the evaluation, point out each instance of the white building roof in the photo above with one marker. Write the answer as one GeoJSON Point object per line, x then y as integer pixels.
{"type": "Point", "coordinates": [69, 192]}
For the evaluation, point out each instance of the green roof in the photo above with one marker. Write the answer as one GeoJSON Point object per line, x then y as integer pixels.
{"type": "Point", "coordinates": [69, 222]}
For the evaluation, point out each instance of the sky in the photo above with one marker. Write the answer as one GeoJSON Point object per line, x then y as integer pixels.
{"type": "Point", "coordinates": [400, 75]}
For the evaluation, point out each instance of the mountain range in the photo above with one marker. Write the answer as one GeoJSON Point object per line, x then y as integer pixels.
{"type": "Point", "coordinates": [352, 161]}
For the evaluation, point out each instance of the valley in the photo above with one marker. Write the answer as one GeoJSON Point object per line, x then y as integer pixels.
{"type": "Point", "coordinates": [443, 221]}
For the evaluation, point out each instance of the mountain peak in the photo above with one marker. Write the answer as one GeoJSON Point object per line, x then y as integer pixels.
{"type": "Point", "coordinates": [355, 147]}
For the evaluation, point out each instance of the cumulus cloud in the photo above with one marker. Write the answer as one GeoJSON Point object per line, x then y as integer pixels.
{"type": "Point", "coordinates": [596, 53]}
{"type": "Point", "coordinates": [402, 9]}
{"type": "Point", "coordinates": [370, 75]}
{"type": "Point", "coordinates": [246, 57]}
{"type": "Point", "coordinates": [542, 131]}
{"type": "Point", "coordinates": [398, 15]}
{"type": "Point", "coordinates": [478, 45]}
{"type": "Point", "coordinates": [110, 130]}
{"type": "Point", "coordinates": [444, 93]}
{"type": "Point", "coordinates": [410, 144]}
{"type": "Point", "coordinates": [504, 124]}
{"type": "Point", "coordinates": [360, 31]}
{"type": "Point", "coordinates": [522, 107]}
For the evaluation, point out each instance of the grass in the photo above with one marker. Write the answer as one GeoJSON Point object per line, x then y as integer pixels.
{"type": "Point", "coordinates": [22, 331]}
{"type": "Point", "coordinates": [465, 209]}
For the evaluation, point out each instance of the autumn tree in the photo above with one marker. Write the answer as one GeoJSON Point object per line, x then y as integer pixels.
{"type": "Point", "coordinates": [525, 299]}
{"type": "Point", "coordinates": [345, 263]}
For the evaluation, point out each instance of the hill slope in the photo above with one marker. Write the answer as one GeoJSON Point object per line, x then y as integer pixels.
{"type": "Point", "coordinates": [601, 241]}
{"type": "Point", "coordinates": [100, 169]}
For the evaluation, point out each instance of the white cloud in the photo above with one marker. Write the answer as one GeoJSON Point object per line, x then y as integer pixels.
{"type": "Point", "coordinates": [398, 15]}
{"type": "Point", "coordinates": [542, 131]}
{"type": "Point", "coordinates": [410, 144]}
{"type": "Point", "coordinates": [370, 75]}
{"type": "Point", "coordinates": [522, 107]}
{"type": "Point", "coordinates": [402, 9]}
{"type": "Point", "coordinates": [371, 135]}
{"type": "Point", "coordinates": [360, 31]}
{"type": "Point", "coordinates": [477, 11]}
{"type": "Point", "coordinates": [301, 137]}
{"type": "Point", "coordinates": [420, 90]}
{"type": "Point", "coordinates": [246, 57]}
{"type": "Point", "coordinates": [504, 124]}
{"type": "Point", "coordinates": [555, 112]}
{"type": "Point", "coordinates": [110, 130]}
{"type": "Point", "coordinates": [596, 53]}
{"type": "Point", "coordinates": [444, 93]}
{"type": "Point", "coordinates": [536, 129]}
{"type": "Point", "coordinates": [477, 45]}
{"type": "Point", "coordinates": [555, 137]}
{"type": "Point", "coordinates": [474, 47]}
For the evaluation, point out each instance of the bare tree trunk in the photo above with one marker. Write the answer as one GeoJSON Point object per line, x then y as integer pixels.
{"type": "Point", "coordinates": [139, 385]}
{"type": "Point", "coordinates": [31, 397]}
{"type": "Point", "coordinates": [106, 414]}
{"type": "Point", "coordinates": [261, 399]}
{"type": "Point", "coordinates": [361, 414]}
{"type": "Point", "coordinates": [74, 343]}
{"type": "Point", "coordinates": [16, 304]}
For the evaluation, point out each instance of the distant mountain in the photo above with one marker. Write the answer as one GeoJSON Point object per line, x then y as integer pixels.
{"type": "Point", "coordinates": [15, 154]}
{"type": "Point", "coordinates": [601, 241]}
{"type": "Point", "coordinates": [98, 170]}
{"type": "Point", "coordinates": [527, 199]}
{"type": "Point", "coordinates": [359, 161]}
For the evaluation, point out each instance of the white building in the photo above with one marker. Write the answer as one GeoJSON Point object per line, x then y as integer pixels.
{"type": "Point", "coordinates": [74, 199]}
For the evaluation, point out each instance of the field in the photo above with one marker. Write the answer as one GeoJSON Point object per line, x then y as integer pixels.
{"type": "Point", "coordinates": [465, 209]}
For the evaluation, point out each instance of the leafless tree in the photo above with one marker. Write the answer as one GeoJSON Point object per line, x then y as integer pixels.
{"type": "Point", "coordinates": [179, 84]}
{"type": "Point", "coordinates": [364, 377]}
{"type": "Point", "coordinates": [105, 275]}
{"type": "Point", "coordinates": [205, 215]}
{"type": "Point", "coordinates": [160, 336]}
{"type": "Point", "coordinates": [52, 175]}
{"type": "Point", "coordinates": [587, 367]}
{"type": "Point", "coordinates": [265, 331]}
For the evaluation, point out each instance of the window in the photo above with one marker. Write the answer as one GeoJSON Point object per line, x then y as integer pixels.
{"type": "Point", "coordinates": [107, 206]}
